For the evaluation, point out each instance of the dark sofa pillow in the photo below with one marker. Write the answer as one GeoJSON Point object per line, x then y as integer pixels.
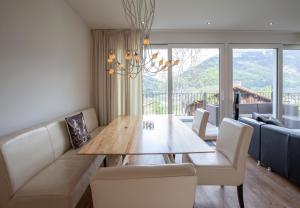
{"type": "Point", "coordinates": [77, 130]}
{"type": "Point", "coordinates": [259, 117]}
{"type": "Point", "coordinates": [274, 121]}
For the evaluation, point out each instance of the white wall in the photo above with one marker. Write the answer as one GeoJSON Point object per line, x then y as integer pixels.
{"type": "Point", "coordinates": [44, 62]}
{"type": "Point", "coordinates": [174, 36]}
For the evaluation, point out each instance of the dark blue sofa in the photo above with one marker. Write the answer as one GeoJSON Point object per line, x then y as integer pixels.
{"type": "Point", "coordinates": [276, 147]}
{"type": "Point", "coordinates": [293, 158]}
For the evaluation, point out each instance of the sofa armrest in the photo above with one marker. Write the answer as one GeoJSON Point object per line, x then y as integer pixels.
{"type": "Point", "coordinates": [255, 144]}
{"type": "Point", "coordinates": [293, 157]}
{"type": "Point", "coordinates": [274, 148]}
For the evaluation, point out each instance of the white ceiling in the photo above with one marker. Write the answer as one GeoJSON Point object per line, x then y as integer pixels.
{"type": "Point", "coordinates": [194, 14]}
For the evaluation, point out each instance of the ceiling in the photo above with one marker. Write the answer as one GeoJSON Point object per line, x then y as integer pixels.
{"type": "Point", "coordinates": [195, 14]}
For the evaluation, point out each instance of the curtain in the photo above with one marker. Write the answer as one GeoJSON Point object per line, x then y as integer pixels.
{"type": "Point", "coordinates": [113, 95]}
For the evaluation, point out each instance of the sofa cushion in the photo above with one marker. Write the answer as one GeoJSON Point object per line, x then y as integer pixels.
{"type": "Point", "coordinates": [26, 154]}
{"type": "Point", "coordinates": [274, 121]}
{"type": "Point", "coordinates": [260, 118]}
{"type": "Point", "coordinates": [60, 185]}
{"type": "Point", "coordinates": [77, 130]}
{"type": "Point", "coordinates": [59, 137]}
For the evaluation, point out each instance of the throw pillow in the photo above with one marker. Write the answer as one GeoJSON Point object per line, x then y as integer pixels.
{"type": "Point", "coordinates": [259, 117]}
{"type": "Point", "coordinates": [274, 121]}
{"type": "Point", "coordinates": [77, 130]}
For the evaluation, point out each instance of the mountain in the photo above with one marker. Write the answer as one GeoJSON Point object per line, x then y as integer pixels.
{"type": "Point", "coordinates": [254, 70]}
{"type": "Point", "coordinates": [151, 84]}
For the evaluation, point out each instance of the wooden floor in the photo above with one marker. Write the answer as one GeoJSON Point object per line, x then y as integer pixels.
{"type": "Point", "coordinates": [262, 189]}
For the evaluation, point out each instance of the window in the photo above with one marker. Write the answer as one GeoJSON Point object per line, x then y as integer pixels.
{"type": "Point", "coordinates": [195, 79]}
{"type": "Point", "coordinates": [253, 75]}
{"type": "Point", "coordinates": [291, 88]}
{"type": "Point", "coordinates": [193, 83]}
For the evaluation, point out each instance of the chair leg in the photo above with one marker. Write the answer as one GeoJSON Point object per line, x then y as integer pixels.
{"type": "Point", "coordinates": [105, 162]}
{"type": "Point", "coordinates": [240, 195]}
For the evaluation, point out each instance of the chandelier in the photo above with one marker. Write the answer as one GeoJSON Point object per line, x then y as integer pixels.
{"type": "Point", "coordinates": [139, 56]}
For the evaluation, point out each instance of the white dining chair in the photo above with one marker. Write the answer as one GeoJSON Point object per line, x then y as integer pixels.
{"type": "Point", "coordinates": [226, 166]}
{"type": "Point", "coordinates": [159, 186]}
{"type": "Point", "coordinates": [200, 122]}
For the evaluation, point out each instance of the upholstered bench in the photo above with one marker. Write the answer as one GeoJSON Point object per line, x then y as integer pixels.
{"type": "Point", "coordinates": [38, 168]}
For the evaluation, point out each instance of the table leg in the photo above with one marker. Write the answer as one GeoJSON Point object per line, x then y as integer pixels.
{"type": "Point", "coordinates": [169, 158]}
{"type": "Point", "coordinates": [125, 160]}
{"type": "Point", "coordinates": [113, 160]}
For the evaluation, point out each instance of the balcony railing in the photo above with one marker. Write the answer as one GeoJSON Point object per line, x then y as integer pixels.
{"type": "Point", "coordinates": [157, 102]}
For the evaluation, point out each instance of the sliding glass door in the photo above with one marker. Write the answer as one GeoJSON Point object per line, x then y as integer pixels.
{"type": "Point", "coordinates": [193, 83]}
{"type": "Point", "coordinates": [291, 88]}
{"type": "Point", "coordinates": [254, 79]}
{"type": "Point", "coordinates": [267, 76]}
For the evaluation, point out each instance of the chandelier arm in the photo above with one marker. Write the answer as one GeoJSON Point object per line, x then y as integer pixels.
{"type": "Point", "coordinates": [152, 3]}
{"type": "Point", "coordinates": [137, 17]}
{"type": "Point", "coordinates": [128, 13]}
{"type": "Point", "coordinates": [142, 64]}
{"type": "Point", "coordinates": [140, 58]}
{"type": "Point", "coordinates": [147, 18]}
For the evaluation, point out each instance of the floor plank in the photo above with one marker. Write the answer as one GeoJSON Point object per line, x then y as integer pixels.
{"type": "Point", "coordinates": [262, 189]}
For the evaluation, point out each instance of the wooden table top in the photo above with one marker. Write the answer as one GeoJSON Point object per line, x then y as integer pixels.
{"type": "Point", "coordinates": [126, 136]}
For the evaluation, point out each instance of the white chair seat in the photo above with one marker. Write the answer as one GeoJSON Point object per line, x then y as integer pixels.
{"type": "Point", "coordinates": [216, 159]}
{"type": "Point", "coordinates": [213, 169]}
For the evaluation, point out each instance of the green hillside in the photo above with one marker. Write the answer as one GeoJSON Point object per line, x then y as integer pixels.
{"type": "Point", "coordinates": [253, 69]}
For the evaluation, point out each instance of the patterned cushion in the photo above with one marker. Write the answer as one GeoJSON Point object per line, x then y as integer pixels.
{"type": "Point", "coordinates": [77, 130]}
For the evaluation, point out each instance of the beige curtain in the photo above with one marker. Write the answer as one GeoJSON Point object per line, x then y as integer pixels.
{"type": "Point", "coordinates": [113, 95]}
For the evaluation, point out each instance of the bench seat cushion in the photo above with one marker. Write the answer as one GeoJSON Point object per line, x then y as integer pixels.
{"type": "Point", "coordinates": [59, 185]}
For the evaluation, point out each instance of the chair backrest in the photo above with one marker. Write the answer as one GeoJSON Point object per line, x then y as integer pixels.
{"type": "Point", "coordinates": [200, 122]}
{"type": "Point", "coordinates": [162, 186]}
{"type": "Point", "coordinates": [233, 141]}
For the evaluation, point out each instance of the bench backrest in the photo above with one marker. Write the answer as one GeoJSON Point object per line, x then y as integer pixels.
{"type": "Point", "coordinates": [26, 153]}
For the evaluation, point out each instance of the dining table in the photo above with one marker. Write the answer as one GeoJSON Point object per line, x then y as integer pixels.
{"type": "Point", "coordinates": [146, 135]}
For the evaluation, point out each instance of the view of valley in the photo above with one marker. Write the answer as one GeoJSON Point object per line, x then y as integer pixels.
{"type": "Point", "coordinates": [253, 69]}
